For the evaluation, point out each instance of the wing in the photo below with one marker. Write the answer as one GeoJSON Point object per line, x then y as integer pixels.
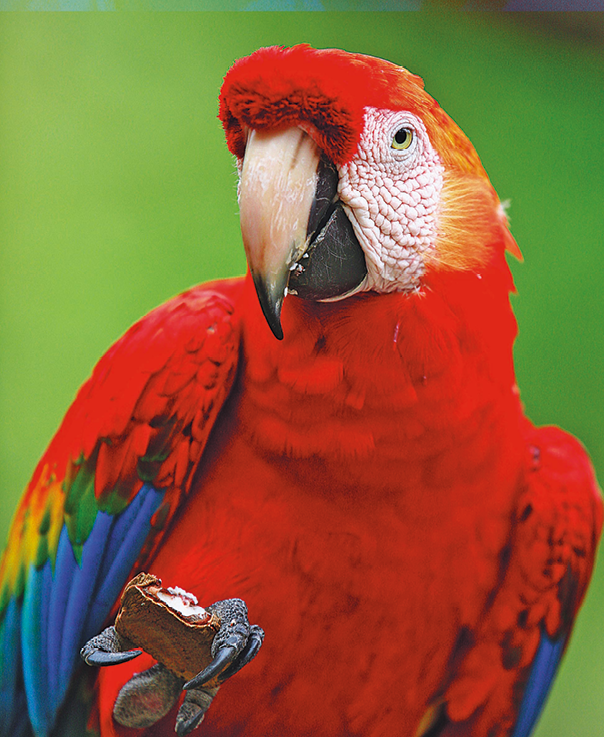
{"type": "Point", "coordinates": [105, 491]}
{"type": "Point", "coordinates": [561, 541]}
{"type": "Point", "coordinates": [501, 673]}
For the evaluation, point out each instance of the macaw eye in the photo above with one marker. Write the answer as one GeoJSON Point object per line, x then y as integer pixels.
{"type": "Point", "coordinates": [402, 138]}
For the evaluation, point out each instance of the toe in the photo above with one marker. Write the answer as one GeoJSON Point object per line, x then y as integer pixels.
{"type": "Point", "coordinates": [249, 652]}
{"type": "Point", "coordinates": [147, 697]}
{"type": "Point", "coordinates": [222, 659]}
{"type": "Point", "coordinates": [107, 648]}
{"type": "Point", "coordinates": [193, 709]}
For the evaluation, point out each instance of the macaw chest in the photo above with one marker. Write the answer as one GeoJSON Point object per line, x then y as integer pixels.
{"type": "Point", "coordinates": [362, 599]}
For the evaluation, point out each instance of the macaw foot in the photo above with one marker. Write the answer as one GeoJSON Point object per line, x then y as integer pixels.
{"type": "Point", "coordinates": [237, 642]}
{"type": "Point", "coordinates": [149, 696]}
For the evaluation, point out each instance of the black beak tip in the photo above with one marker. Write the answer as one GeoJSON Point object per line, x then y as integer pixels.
{"type": "Point", "coordinates": [270, 303]}
{"type": "Point", "coordinates": [274, 324]}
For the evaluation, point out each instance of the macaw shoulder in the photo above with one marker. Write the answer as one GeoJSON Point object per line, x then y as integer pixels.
{"type": "Point", "coordinates": [154, 370]}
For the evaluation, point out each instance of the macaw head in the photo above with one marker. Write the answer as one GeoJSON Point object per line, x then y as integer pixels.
{"type": "Point", "coordinates": [352, 178]}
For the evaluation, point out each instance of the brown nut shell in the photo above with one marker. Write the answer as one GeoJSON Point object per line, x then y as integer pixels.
{"type": "Point", "coordinates": [182, 643]}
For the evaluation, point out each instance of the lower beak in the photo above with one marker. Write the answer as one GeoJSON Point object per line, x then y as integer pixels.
{"type": "Point", "coordinates": [277, 189]}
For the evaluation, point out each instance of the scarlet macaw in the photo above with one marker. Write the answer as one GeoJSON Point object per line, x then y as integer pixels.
{"type": "Point", "coordinates": [336, 438]}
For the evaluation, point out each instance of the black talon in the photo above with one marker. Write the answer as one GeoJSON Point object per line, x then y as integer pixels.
{"type": "Point", "coordinates": [222, 659]}
{"type": "Point", "coordinates": [100, 658]}
{"type": "Point", "coordinates": [236, 643]}
{"type": "Point", "coordinates": [108, 648]}
{"type": "Point", "coordinates": [248, 653]}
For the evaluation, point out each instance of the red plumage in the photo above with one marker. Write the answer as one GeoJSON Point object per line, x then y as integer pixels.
{"type": "Point", "coordinates": [360, 491]}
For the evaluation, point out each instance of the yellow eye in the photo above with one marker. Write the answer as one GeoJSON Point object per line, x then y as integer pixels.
{"type": "Point", "coordinates": [402, 138]}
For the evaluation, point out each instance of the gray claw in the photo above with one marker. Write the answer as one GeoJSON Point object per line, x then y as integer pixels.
{"type": "Point", "coordinates": [222, 659]}
{"type": "Point", "coordinates": [249, 652]}
{"type": "Point", "coordinates": [108, 648]}
{"type": "Point", "coordinates": [100, 658]}
{"type": "Point", "coordinates": [236, 643]}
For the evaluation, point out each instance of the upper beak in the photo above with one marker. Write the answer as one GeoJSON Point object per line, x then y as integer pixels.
{"type": "Point", "coordinates": [277, 188]}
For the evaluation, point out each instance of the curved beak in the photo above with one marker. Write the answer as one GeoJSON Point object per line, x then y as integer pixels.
{"type": "Point", "coordinates": [277, 188]}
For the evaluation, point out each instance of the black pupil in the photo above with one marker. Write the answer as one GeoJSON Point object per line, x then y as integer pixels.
{"type": "Point", "coordinates": [401, 136]}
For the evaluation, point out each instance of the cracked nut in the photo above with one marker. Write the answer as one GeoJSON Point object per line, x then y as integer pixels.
{"type": "Point", "coordinates": [168, 624]}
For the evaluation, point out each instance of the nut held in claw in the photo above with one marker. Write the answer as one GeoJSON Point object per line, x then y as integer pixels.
{"type": "Point", "coordinates": [168, 624]}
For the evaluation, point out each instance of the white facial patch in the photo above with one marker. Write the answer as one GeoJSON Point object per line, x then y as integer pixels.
{"type": "Point", "coordinates": [391, 196]}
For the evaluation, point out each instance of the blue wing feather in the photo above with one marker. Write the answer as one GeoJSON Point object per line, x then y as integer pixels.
{"type": "Point", "coordinates": [127, 539]}
{"type": "Point", "coordinates": [61, 610]}
{"type": "Point", "coordinates": [20, 726]}
{"type": "Point", "coordinates": [32, 650]}
{"type": "Point", "coordinates": [121, 527]}
{"type": "Point", "coordinates": [45, 603]}
{"type": "Point", "coordinates": [65, 565]}
{"type": "Point", "coordinates": [10, 667]}
{"type": "Point", "coordinates": [80, 594]}
{"type": "Point", "coordinates": [541, 677]}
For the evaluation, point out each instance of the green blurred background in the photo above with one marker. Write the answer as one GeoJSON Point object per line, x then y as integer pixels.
{"type": "Point", "coordinates": [117, 192]}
